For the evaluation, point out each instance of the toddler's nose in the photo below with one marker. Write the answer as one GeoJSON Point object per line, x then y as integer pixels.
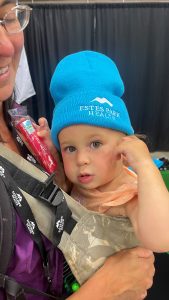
{"type": "Point", "coordinates": [82, 158]}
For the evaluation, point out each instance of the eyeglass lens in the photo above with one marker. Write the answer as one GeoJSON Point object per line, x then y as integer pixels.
{"type": "Point", "coordinates": [16, 20]}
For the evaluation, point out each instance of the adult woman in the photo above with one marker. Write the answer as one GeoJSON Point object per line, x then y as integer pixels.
{"type": "Point", "coordinates": [135, 265]}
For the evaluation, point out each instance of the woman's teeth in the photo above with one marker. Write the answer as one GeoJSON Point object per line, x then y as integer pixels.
{"type": "Point", "coordinates": [3, 70]}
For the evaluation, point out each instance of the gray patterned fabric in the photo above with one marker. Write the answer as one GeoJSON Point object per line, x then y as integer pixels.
{"type": "Point", "coordinates": [94, 238]}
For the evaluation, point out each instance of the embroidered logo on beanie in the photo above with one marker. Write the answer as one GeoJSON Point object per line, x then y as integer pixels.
{"type": "Point", "coordinates": [98, 110]}
{"type": "Point", "coordinates": [86, 88]}
{"type": "Point", "coordinates": [102, 100]}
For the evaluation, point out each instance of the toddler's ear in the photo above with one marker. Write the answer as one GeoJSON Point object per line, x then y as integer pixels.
{"type": "Point", "coordinates": [116, 153]}
{"type": "Point", "coordinates": [118, 156]}
{"type": "Point", "coordinates": [125, 162]}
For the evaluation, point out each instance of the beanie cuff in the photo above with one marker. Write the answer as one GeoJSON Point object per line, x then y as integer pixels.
{"type": "Point", "coordinates": [93, 109]}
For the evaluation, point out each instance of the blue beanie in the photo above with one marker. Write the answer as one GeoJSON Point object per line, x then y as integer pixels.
{"type": "Point", "coordinates": [86, 88]}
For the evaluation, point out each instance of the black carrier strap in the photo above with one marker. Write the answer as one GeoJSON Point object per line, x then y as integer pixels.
{"type": "Point", "coordinates": [45, 191]}
{"type": "Point", "coordinates": [7, 227]}
{"type": "Point", "coordinates": [17, 291]}
{"type": "Point", "coordinates": [13, 197]}
{"type": "Point", "coordinates": [26, 215]}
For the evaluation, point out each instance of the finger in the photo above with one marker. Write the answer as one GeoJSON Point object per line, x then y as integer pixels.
{"type": "Point", "coordinates": [129, 138]}
{"type": "Point", "coordinates": [43, 122]}
{"type": "Point", "coordinates": [43, 132]}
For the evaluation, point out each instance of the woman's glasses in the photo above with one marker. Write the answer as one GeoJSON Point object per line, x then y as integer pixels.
{"type": "Point", "coordinates": [16, 19]}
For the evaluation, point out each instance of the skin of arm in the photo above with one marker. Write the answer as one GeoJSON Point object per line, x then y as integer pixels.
{"type": "Point", "coordinates": [150, 212]}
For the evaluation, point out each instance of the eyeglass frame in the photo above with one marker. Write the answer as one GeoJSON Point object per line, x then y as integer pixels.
{"type": "Point", "coordinates": [26, 7]}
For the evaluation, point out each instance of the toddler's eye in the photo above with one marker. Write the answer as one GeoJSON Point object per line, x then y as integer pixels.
{"type": "Point", "coordinates": [95, 144]}
{"type": "Point", "coordinates": [70, 149]}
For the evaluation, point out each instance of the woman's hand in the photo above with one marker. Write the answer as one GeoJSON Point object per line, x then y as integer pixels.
{"type": "Point", "coordinates": [126, 275]}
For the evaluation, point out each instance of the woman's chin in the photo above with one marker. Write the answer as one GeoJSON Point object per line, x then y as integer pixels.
{"type": "Point", "coordinates": [5, 93]}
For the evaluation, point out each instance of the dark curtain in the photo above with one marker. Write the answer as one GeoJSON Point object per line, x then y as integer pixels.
{"type": "Point", "coordinates": [136, 37]}
{"type": "Point", "coordinates": [54, 31]}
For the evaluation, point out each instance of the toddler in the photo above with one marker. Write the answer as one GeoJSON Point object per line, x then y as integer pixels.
{"type": "Point", "coordinates": [92, 130]}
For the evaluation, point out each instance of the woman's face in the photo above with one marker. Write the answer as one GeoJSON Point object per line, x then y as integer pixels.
{"type": "Point", "coordinates": [10, 51]}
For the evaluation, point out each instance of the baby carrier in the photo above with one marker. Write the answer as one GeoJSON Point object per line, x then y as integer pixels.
{"type": "Point", "coordinates": [45, 208]}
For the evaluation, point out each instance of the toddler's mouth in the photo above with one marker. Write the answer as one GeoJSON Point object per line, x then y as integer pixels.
{"type": "Point", "coordinates": [85, 178]}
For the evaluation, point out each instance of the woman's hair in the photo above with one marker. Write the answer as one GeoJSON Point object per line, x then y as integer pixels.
{"type": "Point", "coordinates": [6, 106]}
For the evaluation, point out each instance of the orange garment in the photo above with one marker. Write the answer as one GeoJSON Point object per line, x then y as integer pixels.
{"type": "Point", "coordinates": [124, 191]}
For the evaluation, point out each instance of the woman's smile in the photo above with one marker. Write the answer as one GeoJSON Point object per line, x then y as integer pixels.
{"type": "Point", "coordinates": [3, 70]}
{"type": "Point", "coordinates": [4, 73]}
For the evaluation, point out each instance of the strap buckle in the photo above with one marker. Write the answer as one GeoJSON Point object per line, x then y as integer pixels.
{"type": "Point", "coordinates": [47, 271]}
{"type": "Point", "coordinates": [11, 287]}
{"type": "Point", "coordinates": [2, 280]}
{"type": "Point", "coordinates": [49, 180]}
{"type": "Point", "coordinates": [50, 192]}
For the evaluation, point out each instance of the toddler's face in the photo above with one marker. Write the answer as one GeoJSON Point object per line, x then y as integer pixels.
{"type": "Point", "coordinates": [89, 155]}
